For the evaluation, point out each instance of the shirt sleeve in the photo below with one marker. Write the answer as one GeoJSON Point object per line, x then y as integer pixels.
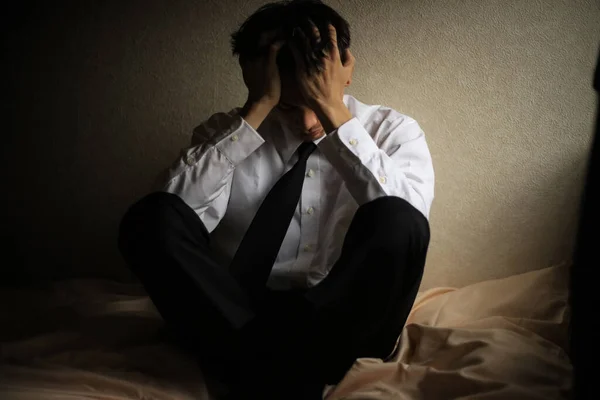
{"type": "Point", "coordinates": [400, 166]}
{"type": "Point", "coordinates": [202, 175]}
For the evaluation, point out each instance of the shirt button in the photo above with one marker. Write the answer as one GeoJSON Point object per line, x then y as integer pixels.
{"type": "Point", "coordinates": [190, 160]}
{"type": "Point", "coordinates": [235, 138]}
{"type": "Point", "coordinates": [353, 142]}
{"type": "Point", "coordinates": [308, 247]}
{"type": "Point", "coordinates": [310, 173]}
{"type": "Point", "coordinates": [382, 179]}
{"type": "Point", "coordinates": [310, 210]}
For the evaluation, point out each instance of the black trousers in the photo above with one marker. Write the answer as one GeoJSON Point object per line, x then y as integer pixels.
{"type": "Point", "coordinates": [358, 310]}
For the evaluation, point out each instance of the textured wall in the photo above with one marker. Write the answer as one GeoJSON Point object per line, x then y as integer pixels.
{"type": "Point", "coordinates": [103, 96]}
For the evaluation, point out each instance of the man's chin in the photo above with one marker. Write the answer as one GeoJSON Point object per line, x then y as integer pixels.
{"type": "Point", "coordinates": [313, 136]}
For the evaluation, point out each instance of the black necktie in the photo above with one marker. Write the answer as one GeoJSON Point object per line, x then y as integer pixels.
{"type": "Point", "coordinates": [258, 250]}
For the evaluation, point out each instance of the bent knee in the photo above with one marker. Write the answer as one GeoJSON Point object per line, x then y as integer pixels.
{"type": "Point", "coordinates": [153, 203]}
{"type": "Point", "coordinates": [395, 215]}
{"type": "Point", "coordinates": [148, 217]}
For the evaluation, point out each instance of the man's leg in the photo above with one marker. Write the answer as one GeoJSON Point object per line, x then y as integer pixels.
{"type": "Point", "coordinates": [166, 245]}
{"type": "Point", "coordinates": [363, 304]}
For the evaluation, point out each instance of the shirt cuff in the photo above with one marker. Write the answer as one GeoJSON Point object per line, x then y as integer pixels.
{"type": "Point", "coordinates": [240, 143]}
{"type": "Point", "coordinates": [350, 142]}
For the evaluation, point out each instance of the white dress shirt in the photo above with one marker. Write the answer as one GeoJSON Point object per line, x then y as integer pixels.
{"type": "Point", "coordinates": [230, 168]}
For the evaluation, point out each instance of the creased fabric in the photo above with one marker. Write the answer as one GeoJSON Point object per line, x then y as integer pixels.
{"type": "Point", "coordinates": [497, 339]}
{"type": "Point", "coordinates": [95, 339]}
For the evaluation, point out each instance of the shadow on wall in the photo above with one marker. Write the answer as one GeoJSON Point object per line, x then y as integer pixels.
{"type": "Point", "coordinates": [100, 102]}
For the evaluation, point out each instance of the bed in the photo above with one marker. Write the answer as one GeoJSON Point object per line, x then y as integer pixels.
{"type": "Point", "coordinates": [98, 339]}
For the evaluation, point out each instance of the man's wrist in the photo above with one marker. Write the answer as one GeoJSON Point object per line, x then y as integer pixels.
{"type": "Point", "coordinates": [258, 105]}
{"type": "Point", "coordinates": [255, 112]}
{"type": "Point", "coordinates": [332, 116]}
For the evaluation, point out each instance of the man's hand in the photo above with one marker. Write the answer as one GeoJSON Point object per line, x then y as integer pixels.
{"type": "Point", "coordinates": [324, 90]}
{"type": "Point", "coordinates": [261, 75]}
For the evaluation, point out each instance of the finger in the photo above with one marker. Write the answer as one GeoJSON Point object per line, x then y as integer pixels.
{"type": "Point", "coordinates": [266, 38]}
{"type": "Point", "coordinates": [277, 45]}
{"type": "Point", "coordinates": [296, 54]}
{"type": "Point", "coordinates": [350, 63]}
{"type": "Point", "coordinates": [323, 50]}
{"type": "Point", "coordinates": [297, 59]}
{"type": "Point", "coordinates": [316, 33]}
{"type": "Point", "coordinates": [335, 53]}
{"type": "Point", "coordinates": [294, 51]}
{"type": "Point", "coordinates": [274, 50]}
{"type": "Point", "coordinates": [350, 60]}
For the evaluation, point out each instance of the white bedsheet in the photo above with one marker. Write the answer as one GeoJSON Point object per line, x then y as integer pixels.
{"type": "Point", "coordinates": [95, 339]}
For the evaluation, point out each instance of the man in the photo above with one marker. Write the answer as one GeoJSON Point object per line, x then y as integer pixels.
{"type": "Point", "coordinates": [290, 238]}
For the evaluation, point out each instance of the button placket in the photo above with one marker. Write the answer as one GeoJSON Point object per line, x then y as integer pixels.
{"type": "Point", "coordinates": [309, 208]}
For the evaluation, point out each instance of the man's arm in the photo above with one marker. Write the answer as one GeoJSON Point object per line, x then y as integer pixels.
{"type": "Point", "coordinates": [403, 169]}
{"type": "Point", "coordinates": [203, 174]}
{"type": "Point", "coordinates": [256, 112]}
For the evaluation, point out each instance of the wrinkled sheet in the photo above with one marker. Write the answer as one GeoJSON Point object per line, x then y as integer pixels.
{"type": "Point", "coordinates": [95, 339]}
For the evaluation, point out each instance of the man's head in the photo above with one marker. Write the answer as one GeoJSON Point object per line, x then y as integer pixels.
{"type": "Point", "coordinates": [286, 17]}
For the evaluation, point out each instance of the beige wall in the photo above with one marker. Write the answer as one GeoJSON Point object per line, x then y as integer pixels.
{"type": "Point", "coordinates": [103, 97]}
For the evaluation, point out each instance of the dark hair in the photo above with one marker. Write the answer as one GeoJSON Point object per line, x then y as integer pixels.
{"type": "Point", "coordinates": [293, 21]}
